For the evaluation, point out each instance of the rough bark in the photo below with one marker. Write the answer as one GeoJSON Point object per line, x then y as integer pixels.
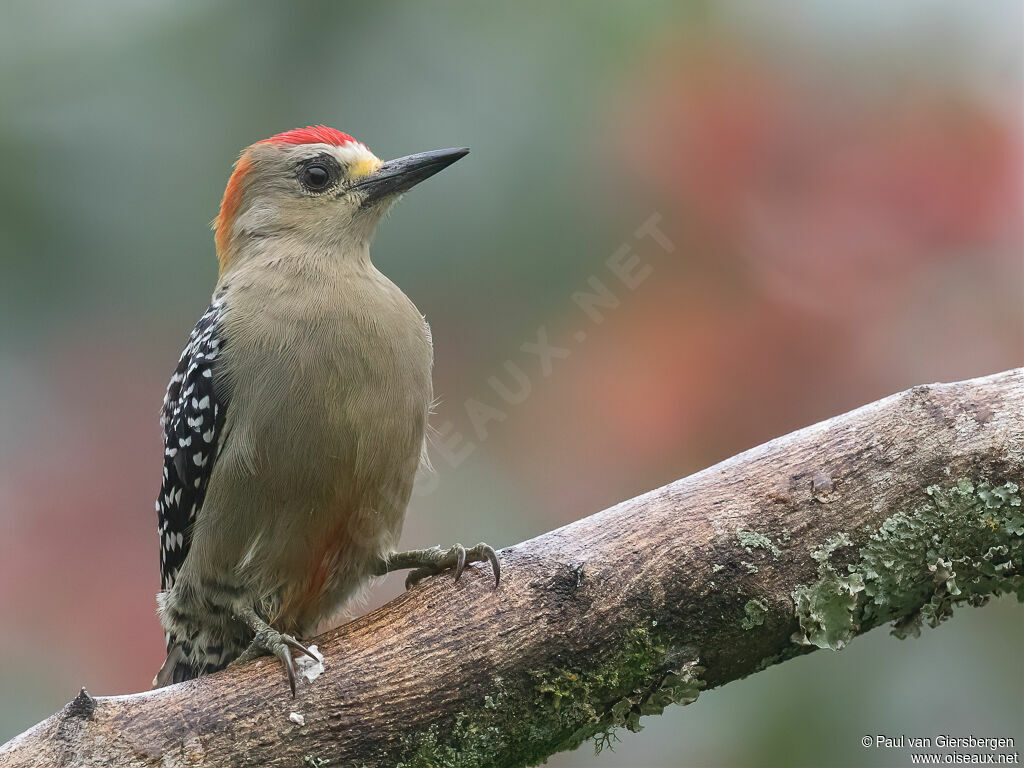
{"type": "Point", "coordinates": [893, 512]}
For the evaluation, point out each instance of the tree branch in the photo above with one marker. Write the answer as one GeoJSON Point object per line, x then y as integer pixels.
{"type": "Point", "coordinates": [891, 513]}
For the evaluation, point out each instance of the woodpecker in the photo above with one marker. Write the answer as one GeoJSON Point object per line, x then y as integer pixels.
{"type": "Point", "coordinates": [295, 420]}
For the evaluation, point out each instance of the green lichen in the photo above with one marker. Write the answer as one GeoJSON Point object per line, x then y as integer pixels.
{"type": "Point", "coordinates": [751, 540]}
{"type": "Point", "coordinates": [785, 654]}
{"type": "Point", "coordinates": [679, 687]}
{"type": "Point", "coordinates": [823, 554]}
{"type": "Point", "coordinates": [558, 709]}
{"type": "Point", "coordinates": [755, 611]}
{"type": "Point", "coordinates": [963, 544]}
{"type": "Point", "coordinates": [750, 567]}
{"type": "Point", "coordinates": [826, 608]}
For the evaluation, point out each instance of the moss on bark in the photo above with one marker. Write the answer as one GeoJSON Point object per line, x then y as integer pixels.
{"type": "Point", "coordinates": [558, 709]}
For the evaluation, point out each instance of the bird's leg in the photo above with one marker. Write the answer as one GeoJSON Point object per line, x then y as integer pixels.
{"type": "Point", "coordinates": [268, 640]}
{"type": "Point", "coordinates": [427, 562]}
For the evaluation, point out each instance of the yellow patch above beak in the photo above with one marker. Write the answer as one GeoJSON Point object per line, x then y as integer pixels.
{"type": "Point", "coordinates": [363, 167]}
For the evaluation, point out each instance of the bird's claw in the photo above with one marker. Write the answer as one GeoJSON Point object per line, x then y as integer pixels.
{"type": "Point", "coordinates": [436, 560]}
{"type": "Point", "coordinates": [268, 641]}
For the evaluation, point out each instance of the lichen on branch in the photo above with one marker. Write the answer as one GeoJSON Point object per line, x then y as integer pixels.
{"type": "Point", "coordinates": [962, 544]}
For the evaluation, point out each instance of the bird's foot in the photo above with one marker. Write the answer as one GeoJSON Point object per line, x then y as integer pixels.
{"type": "Point", "coordinates": [428, 562]}
{"type": "Point", "coordinates": [268, 641]}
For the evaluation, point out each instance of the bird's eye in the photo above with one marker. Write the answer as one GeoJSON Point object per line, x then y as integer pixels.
{"type": "Point", "coordinates": [315, 177]}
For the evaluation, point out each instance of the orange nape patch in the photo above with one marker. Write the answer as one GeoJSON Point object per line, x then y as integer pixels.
{"type": "Point", "coordinates": [312, 134]}
{"type": "Point", "coordinates": [228, 208]}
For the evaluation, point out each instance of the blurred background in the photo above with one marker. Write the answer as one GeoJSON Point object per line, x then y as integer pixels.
{"type": "Point", "coordinates": [839, 193]}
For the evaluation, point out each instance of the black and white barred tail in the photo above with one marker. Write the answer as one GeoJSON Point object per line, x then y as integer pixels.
{"type": "Point", "coordinates": [177, 667]}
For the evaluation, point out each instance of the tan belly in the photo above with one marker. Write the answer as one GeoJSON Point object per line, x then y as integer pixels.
{"type": "Point", "coordinates": [324, 437]}
{"type": "Point", "coordinates": [327, 498]}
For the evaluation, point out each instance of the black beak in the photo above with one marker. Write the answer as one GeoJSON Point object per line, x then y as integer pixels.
{"type": "Point", "coordinates": [404, 173]}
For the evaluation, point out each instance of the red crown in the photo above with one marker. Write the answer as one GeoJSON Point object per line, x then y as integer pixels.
{"type": "Point", "coordinates": [313, 134]}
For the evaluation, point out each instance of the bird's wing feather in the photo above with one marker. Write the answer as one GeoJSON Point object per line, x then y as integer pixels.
{"type": "Point", "coordinates": [192, 417]}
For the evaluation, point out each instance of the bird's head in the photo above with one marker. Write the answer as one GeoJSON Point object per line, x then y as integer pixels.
{"type": "Point", "coordinates": [318, 188]}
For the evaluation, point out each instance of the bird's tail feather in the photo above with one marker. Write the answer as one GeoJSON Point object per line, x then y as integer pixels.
{"type": "Point", "coordinates": [177, 667]}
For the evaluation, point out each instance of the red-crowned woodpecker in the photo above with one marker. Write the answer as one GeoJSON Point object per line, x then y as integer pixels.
{"type": "Point", "coordinates": [295, 420]}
